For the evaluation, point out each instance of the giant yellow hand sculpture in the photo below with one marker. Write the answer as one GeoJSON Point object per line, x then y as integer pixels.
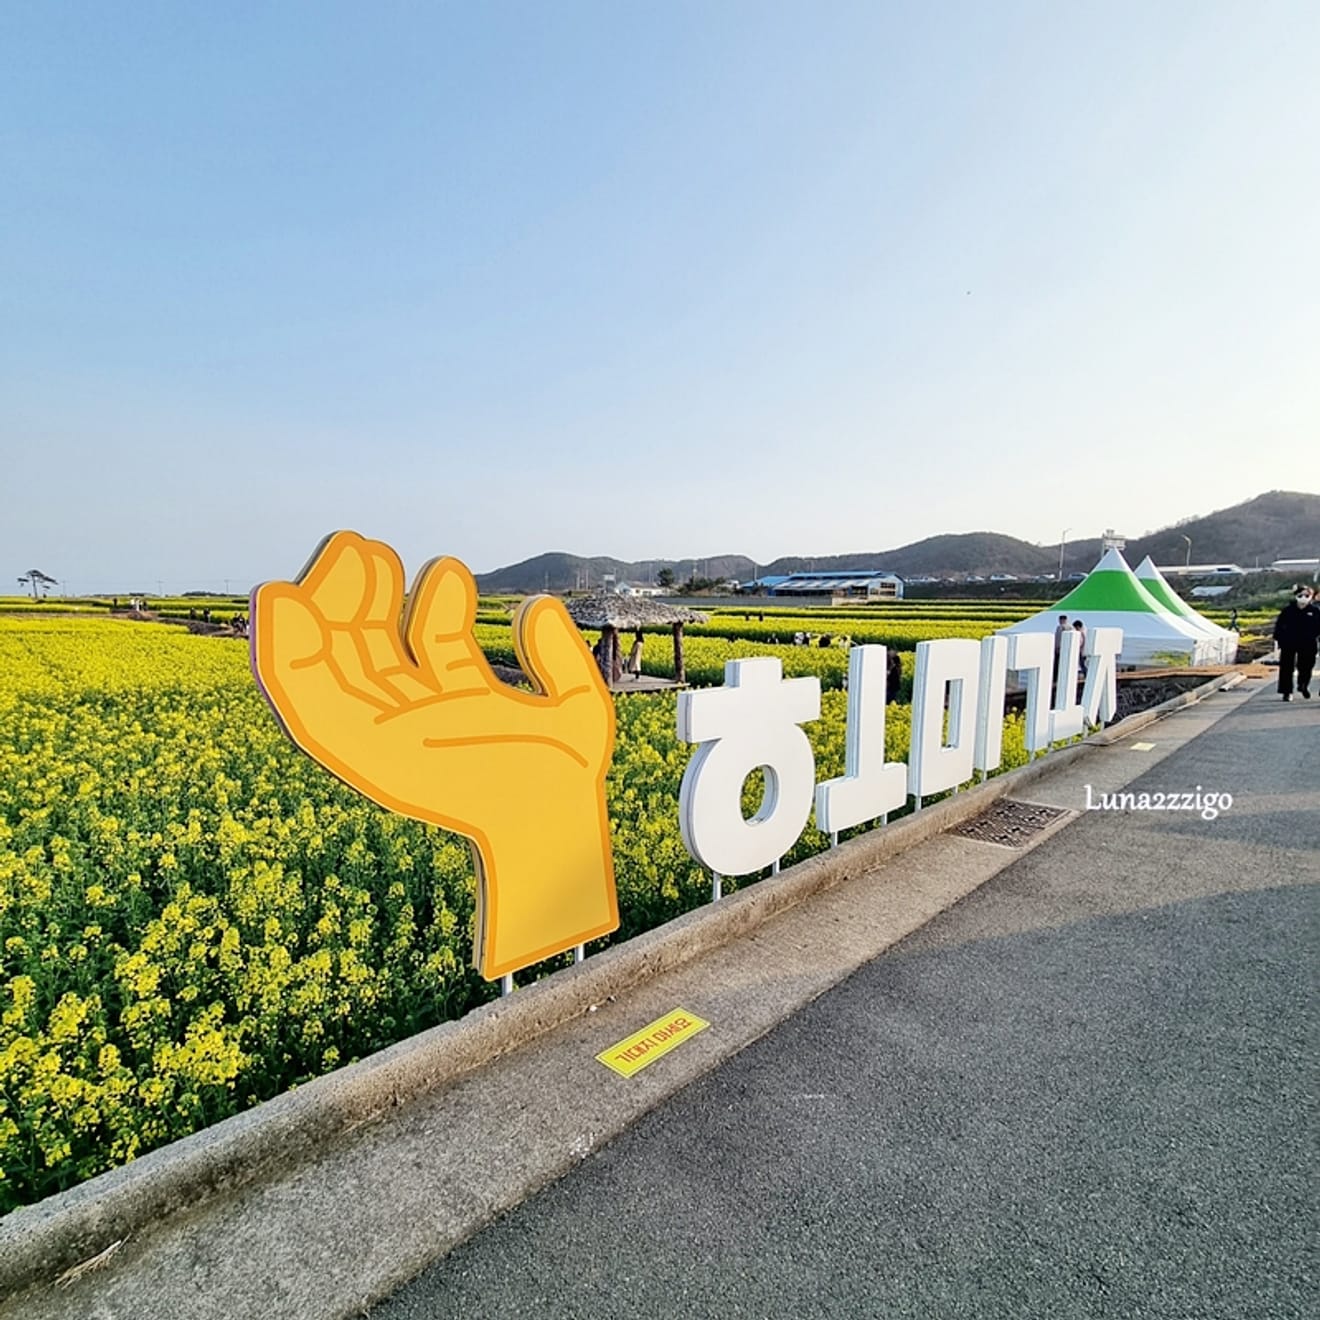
{"type": "Point", "coordinates": [402, 705]}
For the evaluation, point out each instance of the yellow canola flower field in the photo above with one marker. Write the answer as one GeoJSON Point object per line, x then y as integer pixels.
{"type": "Point", "coordinates": [195, 917]}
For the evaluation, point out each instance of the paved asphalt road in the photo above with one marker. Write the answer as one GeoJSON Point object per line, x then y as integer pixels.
{"type": "Point", "coordinates": [1087, 1090]}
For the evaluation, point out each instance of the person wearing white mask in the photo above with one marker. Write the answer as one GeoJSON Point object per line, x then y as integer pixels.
{"type": "Point", "coordinates": [1296, 632]}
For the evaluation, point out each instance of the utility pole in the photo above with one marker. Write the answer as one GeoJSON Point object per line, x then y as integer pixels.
{"type": "Point", "coordinates": [1187, 563]}
{"type": "Point", "coordinates": [1063, 541]}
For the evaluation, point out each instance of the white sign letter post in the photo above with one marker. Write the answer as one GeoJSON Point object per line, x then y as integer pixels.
{"type": "Point", "coordinates": [1066, 713]}
{"type": "Point", "coordinates": [868, 788]}
{"type": "Point", "coordinates": [751, 722]}
{"type": "Point", "coordinates": [1100, 695]}
{"type": "Point", "coordinates": [990, 709]}
{"type": "Point", "coordinates": [934, 765]}
{"type": "Point", "coordinates": [1032, 654]}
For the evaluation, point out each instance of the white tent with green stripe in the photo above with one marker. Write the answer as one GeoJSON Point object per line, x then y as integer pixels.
{"type": "Point", "coordinates": [1111, 596]}
{"type": "Point", "coordinates": [1157, 584]}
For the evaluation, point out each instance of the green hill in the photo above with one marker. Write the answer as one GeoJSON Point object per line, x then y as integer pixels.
{"type": "Point", "coordinates": [557, 571]}
{"type": "Point", "coordinates": [1277, 525]}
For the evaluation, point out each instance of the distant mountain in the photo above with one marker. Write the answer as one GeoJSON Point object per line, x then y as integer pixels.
{"type": "Point", "coordinates": [558, 571]}
{"type": "Point", "coordinates": [1277, 525]}
{"type": "Point", "coordinates": [963, 552]}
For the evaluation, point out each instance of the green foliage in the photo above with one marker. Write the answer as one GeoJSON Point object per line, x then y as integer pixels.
{"type": "Point", "coordinates": [902, 634]}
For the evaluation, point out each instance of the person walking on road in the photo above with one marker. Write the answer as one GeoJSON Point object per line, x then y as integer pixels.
{"type": "Point", "coordinates": [1296, 632]}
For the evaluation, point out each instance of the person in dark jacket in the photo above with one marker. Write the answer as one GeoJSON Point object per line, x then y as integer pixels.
{"type": "Point", "coordinates": [1296, 632]}
{"type": "Point", "coordinates": [1060, 632]}
{"type": "Point", "coordinates": [893, 675]}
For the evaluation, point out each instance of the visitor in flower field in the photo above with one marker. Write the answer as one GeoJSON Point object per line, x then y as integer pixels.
{"type": "Point", "coordinates": [1080, 629]}
{"type": "Point", "coordinates": [1296, 632]}
{"type": "Point", "coordinates": [635, 657]}
{"type": "Point", "coordinates": [601, 652]}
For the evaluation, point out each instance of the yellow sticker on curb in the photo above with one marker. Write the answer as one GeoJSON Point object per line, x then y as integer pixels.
{"type": "Point", "coordinates": [633, 1053]}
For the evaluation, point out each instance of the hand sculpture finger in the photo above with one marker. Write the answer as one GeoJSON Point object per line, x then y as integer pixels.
{"type": "Point", "coordinates": [357, 587]}
{"type": "Point", "coordinates": [291, 658]}
{"type": "Point", "coordinates": [551, 651]}
{"type": "Point", "coordinates": [438, 628]}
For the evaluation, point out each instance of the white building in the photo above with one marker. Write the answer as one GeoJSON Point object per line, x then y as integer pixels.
{"type": "Point", "coordinates": [635, 589]}
{"type": "Point", "coordinates": [1203, 570]}
{"type": "Point", "coordinates": [842, 585]}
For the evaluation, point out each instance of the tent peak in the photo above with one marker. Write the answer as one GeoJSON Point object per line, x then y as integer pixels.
{"type": "Point", "coordinates": [1112, 561]}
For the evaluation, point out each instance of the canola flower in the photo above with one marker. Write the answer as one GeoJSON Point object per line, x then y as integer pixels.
{"type": "Point", "coordinates": [195, 917]}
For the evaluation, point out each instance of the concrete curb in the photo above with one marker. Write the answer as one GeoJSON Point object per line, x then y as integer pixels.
{"type": "Point", "coordinates": [1144, 717]}
{"type": "Point", "coordinates": [39, 1242]}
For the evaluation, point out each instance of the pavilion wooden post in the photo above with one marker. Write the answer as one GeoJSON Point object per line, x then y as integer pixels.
{"type": "Point", "coordinates": [680, 669]}
{"type": "Point", "coordinates": [605, 653]}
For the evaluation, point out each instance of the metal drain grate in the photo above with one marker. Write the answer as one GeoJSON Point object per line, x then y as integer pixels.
{"type": "Point", "coordinates": [1010, 824]}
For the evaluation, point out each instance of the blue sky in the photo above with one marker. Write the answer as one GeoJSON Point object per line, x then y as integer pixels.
{"type": "Point", "coordinates": [645, 280]}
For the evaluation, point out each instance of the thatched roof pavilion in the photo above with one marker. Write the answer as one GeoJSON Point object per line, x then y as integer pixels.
{"type": "Point", "coordinates": [613, 614]}
{"type": "Point", "coordinates": [605, 609]}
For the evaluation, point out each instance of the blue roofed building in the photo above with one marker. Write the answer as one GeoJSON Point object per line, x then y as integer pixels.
{"type": "Point", "coordinates": [838, 586]}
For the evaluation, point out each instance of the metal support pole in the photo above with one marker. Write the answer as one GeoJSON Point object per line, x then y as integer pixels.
{"type": "Point", "coordinates": [774, 866]}
{"type": "Point", "coordinates": [506, 984]}
{"type": "Point", "coordinates": [834, 838]}
{"type": "Point", "coordinates": [916, 803]}
{"type": "Point", "coordinates": [716, 887]}
{"type": "Point", "coordinates": [580, 953]}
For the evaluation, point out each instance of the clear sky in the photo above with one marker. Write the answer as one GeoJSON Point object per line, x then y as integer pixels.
{"type": "Point", "coordinates": [645, 279]}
